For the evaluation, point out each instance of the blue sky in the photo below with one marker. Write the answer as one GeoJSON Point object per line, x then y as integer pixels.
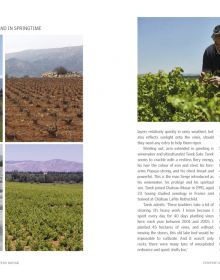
{"type": "Point", "coordinates": [1, 56]}
{"type": "Point", "coordinates": [165, 43]}
{"type": "Point", "coordinates": [73, 152]}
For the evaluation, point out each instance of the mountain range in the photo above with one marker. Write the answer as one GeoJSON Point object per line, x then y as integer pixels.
{"type": "Point", "coordinates": [54, 165]}
{"type": "Point", "coordinates": [35, 62]}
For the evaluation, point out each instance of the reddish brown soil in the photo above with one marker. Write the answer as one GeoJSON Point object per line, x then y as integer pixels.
{"type": "Point", "coordinates": [44, 109]}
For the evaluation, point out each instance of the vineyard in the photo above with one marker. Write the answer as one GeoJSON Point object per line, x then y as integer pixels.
{"type": "Point", "coordinates": [44, 109]}
{"type": "Point", "coordinates": [172, 97]}
{"type": "Point", "coordinates": [43, 217]}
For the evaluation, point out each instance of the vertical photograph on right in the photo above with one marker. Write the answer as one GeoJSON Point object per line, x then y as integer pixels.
{"type": "Point", "coordinates": [178, 69]}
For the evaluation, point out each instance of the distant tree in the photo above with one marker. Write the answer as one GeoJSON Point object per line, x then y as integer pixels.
{"type": "Point", "coordinates": [40, 177]}
{"type": "Point", "coordinates": [60, 70]}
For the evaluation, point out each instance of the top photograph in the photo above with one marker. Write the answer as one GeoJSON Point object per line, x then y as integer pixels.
{"type": "Point", "coordinates": [43, 88]}
{"type": "Point", "coordinates": [178, 69]}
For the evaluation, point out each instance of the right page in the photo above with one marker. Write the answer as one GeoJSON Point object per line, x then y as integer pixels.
{"type": "Point", "coordinates": [178, 136]}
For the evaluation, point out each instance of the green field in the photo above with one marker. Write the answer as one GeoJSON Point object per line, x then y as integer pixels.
{"type": "Point", "coordinates": [44, 217]}
{"type": "Point", "coordinates": [167, 97]}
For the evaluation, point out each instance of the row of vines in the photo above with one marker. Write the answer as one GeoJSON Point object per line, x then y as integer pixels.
{"type": "Point", "coordinates": [44, 109]}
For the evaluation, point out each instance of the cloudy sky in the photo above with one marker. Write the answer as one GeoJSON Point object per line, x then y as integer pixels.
{"type": "Point", "coordinates": [15, 43]}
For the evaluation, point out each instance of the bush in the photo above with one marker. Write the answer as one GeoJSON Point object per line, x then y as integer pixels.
{"type": "Point", "coordinates": [60, 70]}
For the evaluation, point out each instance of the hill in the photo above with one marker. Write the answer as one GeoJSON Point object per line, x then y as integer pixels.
{"type": "Point", "coordinates": [54, 165]}
{"type": "Point", "coordinates": [35, 62]}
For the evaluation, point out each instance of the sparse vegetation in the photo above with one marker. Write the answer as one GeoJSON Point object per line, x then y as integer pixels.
{"type": "Point", "coordinates": [52, 130]}
{"type": "Point", "coordinates": [35, 104]}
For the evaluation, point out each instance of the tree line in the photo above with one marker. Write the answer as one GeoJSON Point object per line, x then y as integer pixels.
{"type": "Point", "coordinates": [41, 177]}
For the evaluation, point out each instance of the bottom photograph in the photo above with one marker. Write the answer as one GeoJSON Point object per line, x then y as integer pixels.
{"type": "Point", "coordinates": [44, 197]}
